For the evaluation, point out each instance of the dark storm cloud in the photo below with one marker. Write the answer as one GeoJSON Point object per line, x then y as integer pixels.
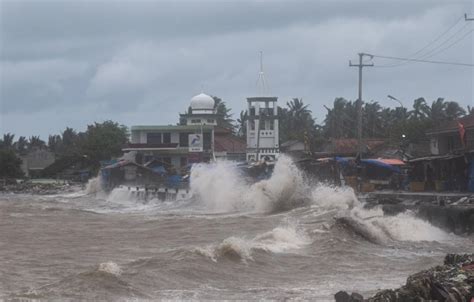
{"type": "Point", "coordinates": [141, 61]}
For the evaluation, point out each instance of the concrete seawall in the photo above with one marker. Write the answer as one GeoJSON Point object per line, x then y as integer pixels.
{"type": "Point", "coordinates": [453, 212]}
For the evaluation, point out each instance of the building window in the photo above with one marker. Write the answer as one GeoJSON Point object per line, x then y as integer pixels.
{"type": "Point", "coordinates": [196, 121]}
{"type": "Point", "coordinates": [252, 111]}
{"type": "Point", "coordinates": [184, 139]}
{"type": "Point", "coordinates": [153, 138]}
{"type": "Point", "coordinates": [272, 125]}
{"type": "Point", "coordinates": [211, 121]}
{"type": "Point", "coordinates": [252, 125]}
{"type": "Point", "coordinates": [166, 138]}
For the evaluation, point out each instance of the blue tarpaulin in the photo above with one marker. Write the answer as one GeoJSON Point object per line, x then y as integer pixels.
{"type": "Point", "coordinates": [378, 163]}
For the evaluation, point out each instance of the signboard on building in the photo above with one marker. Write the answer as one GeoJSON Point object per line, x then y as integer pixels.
{"type": "Point", "coordinates": [195, 143]}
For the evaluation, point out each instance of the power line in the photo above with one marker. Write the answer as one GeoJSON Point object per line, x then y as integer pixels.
{"type": "Point", "coordinates": [450, 45]}
{"type": "Point", "coordinates": [434, 50]}
{"type": "Point", "coordinates": [421, 61]}
{"type": "Point", "coordinates": [414, 55]}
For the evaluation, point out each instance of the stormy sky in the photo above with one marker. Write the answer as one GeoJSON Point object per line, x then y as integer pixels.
{"type": "Point", "coordinates": [69, 63]}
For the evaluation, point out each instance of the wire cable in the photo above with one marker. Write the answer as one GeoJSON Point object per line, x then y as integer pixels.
{"type": "Point", "coordinates": [421, 61]}
{"type": "Point", "coordinates": [415, 54]}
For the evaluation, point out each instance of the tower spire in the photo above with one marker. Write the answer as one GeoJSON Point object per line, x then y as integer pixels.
{"type": "Point", "coordinates": [262, 88]}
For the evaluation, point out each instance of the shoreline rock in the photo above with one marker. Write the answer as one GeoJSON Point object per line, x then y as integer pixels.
{"type": "Point", "coordinates": [452, 281]}
{"type": "Point", "coordinates": [37, 188]}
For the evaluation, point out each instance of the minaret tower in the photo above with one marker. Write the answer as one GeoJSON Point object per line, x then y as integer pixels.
{"type": "Point", "coordinates": [262, 122]}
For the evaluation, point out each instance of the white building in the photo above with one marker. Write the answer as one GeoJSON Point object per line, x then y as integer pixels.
{"type": "Point", "coordinates": [198, 139]}
{"type": "Point", "coordinates": [262, 129]}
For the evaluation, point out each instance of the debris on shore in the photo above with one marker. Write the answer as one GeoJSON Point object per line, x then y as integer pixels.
{"type": "Point", "coordinates": [453, 281]}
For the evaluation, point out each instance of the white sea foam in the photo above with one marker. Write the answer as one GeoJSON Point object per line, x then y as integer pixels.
{"type": "Point", "coordinates": [279, 240]}
{"type": "Point", "coordinates": [110, 268]}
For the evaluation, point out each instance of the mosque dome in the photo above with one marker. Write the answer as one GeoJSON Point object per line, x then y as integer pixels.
{"type": "Point", "coordinates": [202, 102]}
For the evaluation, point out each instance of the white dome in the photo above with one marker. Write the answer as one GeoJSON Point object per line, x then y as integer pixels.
{"type": "Point", "coordinates": [202, 102]}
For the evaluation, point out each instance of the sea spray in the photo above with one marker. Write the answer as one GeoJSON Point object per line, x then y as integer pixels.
{"type": "Point", "coordinates": [221, 187]}
{"type": "Point", "coordinates": [94, 185]}
{"type": "Point", "coordinates": [332, 197]}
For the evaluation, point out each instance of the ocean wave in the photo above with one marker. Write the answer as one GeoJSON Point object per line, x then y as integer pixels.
{"type": "Point", "coordinates": [102, 282]}
{"type": "Point", "coordinates": [279, 240]}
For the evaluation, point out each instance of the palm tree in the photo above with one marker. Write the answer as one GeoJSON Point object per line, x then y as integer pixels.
{"type": "Point", "coordinates": [21, 144]}
{"type": "Point", "coordinates": [371, 117]}
{"type": "Point", "coordinates": [437, 111]}
{"type": "Point", "coordinates": [242, 123]}
{"type": "Point", "coordinates": [36, 143]}
{"type": "Point", "coordinates": [7, 141]}
{"type": "Point", "coordinates": [420, 109]}
{"type": "Point", "coordinates": [54, 143]}
{"type": "Point", "coordinates": [454, 111]}
{"type": "Point", "coordinates": [224, 119]}
{"type": "Point", "coordinates": [470, 110]}
{"type": "Point", "coordinates": [299, 119]}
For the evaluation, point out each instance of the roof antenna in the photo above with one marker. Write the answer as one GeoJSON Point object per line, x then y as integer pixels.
{"type": "Point", "coordinates": [262, 88]}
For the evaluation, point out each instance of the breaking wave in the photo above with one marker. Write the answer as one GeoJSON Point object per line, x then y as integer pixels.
{"type": "Point", "coordinates": [222, 189]}
{"type": "Point", "coordinates": [279, 240]}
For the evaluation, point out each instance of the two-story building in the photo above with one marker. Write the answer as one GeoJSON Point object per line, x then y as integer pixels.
{"type": "Point", "coordinates": [451, 164]}
{"type": "Point", "coordinates": [177, 146]}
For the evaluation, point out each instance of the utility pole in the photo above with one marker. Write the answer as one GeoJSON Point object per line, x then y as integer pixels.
{"type": "Point", "coordinates": [468, 19]}
{"type": "Point", "coordinates": [359, 100]}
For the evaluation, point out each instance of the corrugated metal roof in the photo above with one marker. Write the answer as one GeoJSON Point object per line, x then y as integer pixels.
{"type": "Point", "coordinates": [171, 127]}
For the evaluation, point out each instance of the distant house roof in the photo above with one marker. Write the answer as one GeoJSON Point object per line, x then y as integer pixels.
{"type": "Point", "coordinates": [229, 143]}
{"type": "Point", "coordinates": [181, 128]}
{"type": "Point", "coordinates": [453, 126]}
{"type": "Point", "coordinates": [289, 143]}
{"type": "Point", "coordinates": [351, 145]}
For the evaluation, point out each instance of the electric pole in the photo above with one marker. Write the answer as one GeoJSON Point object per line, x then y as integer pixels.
{"type": "Point", "coordinates": [359, 100]}
{"type": "Point", "coordinates": [468, 19]}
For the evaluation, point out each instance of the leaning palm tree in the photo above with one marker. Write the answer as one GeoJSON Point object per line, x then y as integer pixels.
{"type": "Point", "coordinates": [420, 109]}
{"type": "Point", "coordinates": [454, 111]}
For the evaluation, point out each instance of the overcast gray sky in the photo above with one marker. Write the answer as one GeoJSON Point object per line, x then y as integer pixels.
{"type": "Point", "coordinates": [69, 63]}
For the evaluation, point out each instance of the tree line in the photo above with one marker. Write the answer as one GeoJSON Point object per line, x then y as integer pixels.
{"type": "Point", "coordinates": [298, 123]}
{"type": "Point", "coordinates": [100, 141]}
{"type": "Point", "coordinates": [103, 141]}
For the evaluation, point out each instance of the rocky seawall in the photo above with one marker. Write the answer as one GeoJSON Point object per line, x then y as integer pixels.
{"type": "Point", "coordinates": [37, 188]}
{"type": "Point", "coordinates": [452, 281]}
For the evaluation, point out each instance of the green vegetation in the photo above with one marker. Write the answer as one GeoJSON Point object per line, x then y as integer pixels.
{"type": "Point", "coordinates": [10, 164]}
{"type": "Point", "coordinates": [388, 123]}
{"type": "Point", "coordinates": [101, 141]}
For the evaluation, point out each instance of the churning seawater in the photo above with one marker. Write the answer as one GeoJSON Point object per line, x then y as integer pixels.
{"type": "Point", "coordinates": [281, 238]}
